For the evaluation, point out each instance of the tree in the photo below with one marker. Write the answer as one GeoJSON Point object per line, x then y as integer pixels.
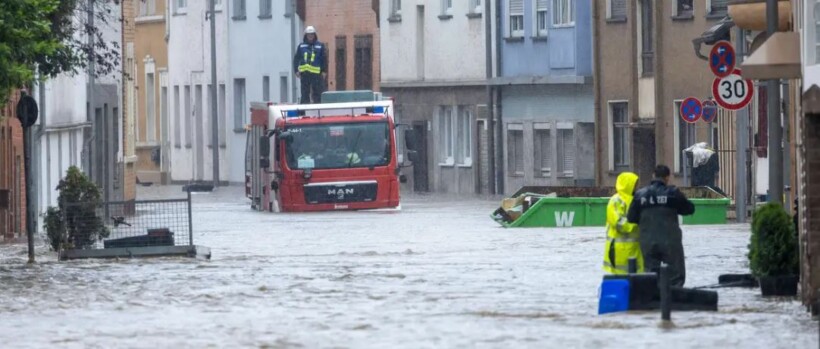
{"type": "Point", "coordinates": [52, 36]}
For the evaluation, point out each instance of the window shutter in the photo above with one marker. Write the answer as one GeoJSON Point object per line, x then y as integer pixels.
{"type": "Point", "coordinates": [516, 7]}
{"type": "Point", "coordinates": [546, 150]}
{"type": "Point", "coordinates": [568, 147]}
{"type": "Point", "coordinates": [519, 151]}
{"type": "Point", "coordinates": [541, 5]}
{"type": "Point", "coordinates": [618, 8]}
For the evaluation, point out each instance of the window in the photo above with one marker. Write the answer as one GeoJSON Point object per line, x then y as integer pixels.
{"type": "Point", "coordinates": [188, 117]}
{"type": "Point", "coordinates": [541, 18]}
{"type": "Point", "coordinates": [163, 112]}
{"type": "Point", "coordinates": [566, 150]}
{"type": "Point", "coordinates": [266, 88]}
{"type": "Point", "coordinates": [238, 105]}
{"type": "Point", "coordinates": [238, 9]}
{"type": "Point", "coordinates": [283, 89]}
{"type": "Point", "coordinates": [515, 149]}
{"type": "Point", "coordinates": [395, 8]}
{"type": "Point", "coordinates": [516, 18]}
{"type": "Point", "coordinates": [718, 7]}
{"type": "Point", "coordinates": [221, 108]}
{"type": "Point", "coordinates": [616, 9]}
{"type": "Point", "coordinates": [180, 6]}
{"type": "Point", "coordinates": [341, 63]}
{"type": "Point", "coordinates": [363, 67]}
{"type": "Point", "coordinates": [543, 150]}
{"type": "Point", "coordinates": [464, 137]}
{"type": "Point", "coordinates": [147, 7]}
{"type": "Point", "coordinates": [684, 8]}
{"type": "Point", "coordinates": [647, 52]}
{"type": "Point", "coordinates": [619, 136]}
{"type": "Point", "coordinates": [150, 109]}
{"type": "Point", "coordinates": [475, 6]}
{"type": "Point", "coordinates": [447, 7]}
{"type": "Point", "coordinates": [445, 135]}
{"type": "Point", "coordinates": [563, 12]}
{"type": "Point", "coordinates": [265, 9]}
{"type": "Point", "coordinates": [177, 119]}
{"type": "Point", "coordinates": [206, 120]}
{"type": "Point", "coordinates": [817, 32]}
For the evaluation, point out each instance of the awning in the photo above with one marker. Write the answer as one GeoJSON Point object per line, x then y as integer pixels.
{"type": "Point", "coordinates": [811, 100]}
{"type": "Point", "coordinates": [777, 58]}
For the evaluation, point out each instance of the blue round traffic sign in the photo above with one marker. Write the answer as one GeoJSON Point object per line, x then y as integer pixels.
{"type": "Point", "coordinates": [710, 110]}
{"type": "Point", "coordinates": [722, 59]}
{"type": "Point", "coordinates": [691, 110]}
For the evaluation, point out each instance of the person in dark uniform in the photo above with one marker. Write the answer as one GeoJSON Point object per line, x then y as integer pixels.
{"type": "Point", "coordinates": [310, 66]}
{"type": "Point", "coordinates": [656, 208]}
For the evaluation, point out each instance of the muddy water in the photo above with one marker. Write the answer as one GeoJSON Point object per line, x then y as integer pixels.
{"type": "Point", "coordinates": [439, 273]}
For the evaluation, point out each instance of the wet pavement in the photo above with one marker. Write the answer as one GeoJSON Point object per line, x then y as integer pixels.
{"type": "Point", "coordinates": [437, 274]}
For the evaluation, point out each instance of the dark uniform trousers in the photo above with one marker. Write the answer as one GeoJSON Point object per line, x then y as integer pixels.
{"type": "Point", "coordinates": [312, 86]}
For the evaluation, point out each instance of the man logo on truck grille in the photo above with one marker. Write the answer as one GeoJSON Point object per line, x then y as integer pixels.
{"type": "Point", "coordinates": [340, 192]}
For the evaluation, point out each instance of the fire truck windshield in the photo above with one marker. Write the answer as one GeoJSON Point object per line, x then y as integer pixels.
{"type": "Point", "coordinates": [333, 146]}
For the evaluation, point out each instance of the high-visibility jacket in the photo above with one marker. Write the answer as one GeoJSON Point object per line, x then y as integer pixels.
{"type": "Point", "coordinates": [310, 57]}
{"type": "Point", "coordinates": [621, 236]}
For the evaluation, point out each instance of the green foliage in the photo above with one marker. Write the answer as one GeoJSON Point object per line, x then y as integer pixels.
{"type": "Point", "coordinates": [42, 34]}
{"type": "Point", "coordinates": [773, 249]}
{"type": "Point", "coordinates": [75, 224]}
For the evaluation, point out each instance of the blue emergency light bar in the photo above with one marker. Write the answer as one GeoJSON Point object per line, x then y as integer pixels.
{"type": "Point", "coordinates": [294, 113]}
{"type": "Point", "coordinates": [376, 110]}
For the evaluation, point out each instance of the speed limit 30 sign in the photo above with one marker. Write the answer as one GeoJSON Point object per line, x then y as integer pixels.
{"type": "Point", "coordinates": [733, 92]}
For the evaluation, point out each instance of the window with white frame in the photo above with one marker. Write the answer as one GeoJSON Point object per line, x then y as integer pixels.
{"type": "Point", "coordinates": [188, 117]}
{"type": "Point", "coordinates": [464, 137]}
{"type": "Point", "coordinates": [541, 17]}
{"type": "Point", "coordinates": [180, 6]}
{"type": "Point", "coordinates": [221, 105]}
{"type": "Point", "coordinates": [718, 7]}
{"type": "Point", "coordinates": [265, 9]}
{"type": "Point", "coordinates": [515, 149]}
{"type": "Point", "coordinates": [619, 137]}
{"type": "Point", "coordinates": [543, 149]}
{"type": "Point", "coordinates": [395, 7]}
{"type": "Point", "coordinates": [150, 107]}
{"type": "Point", "coordinates": [445, 135]}
{"type": "Point", "coordinates": [239, 104]}
{"type": "Point", "coordinates": [475, 6]}
{"type": "Point", "coordinates": [817, 32]}
{"type": "Point", "coordinates": [684, 8]}
{"type": "Point", "coordinates": [563, 12]}
{"type": "Point", "coordinates": [147, 7]}
{"type": "Point", "coordinates": [516, 18]}
{"type": "Point", "coordinates": [239, 9]}
{"type": "Point", "coordinates": [177, 118]}
{"type": "Point", "coordinates": [447, 7]}
{"type": "Point", "coordinates": [616, 9]}
{"type": "Point", "coordinates": [566, 149]}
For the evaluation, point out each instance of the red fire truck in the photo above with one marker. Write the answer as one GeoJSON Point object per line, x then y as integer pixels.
{"type": "Point", "coordinates": [322, 157]}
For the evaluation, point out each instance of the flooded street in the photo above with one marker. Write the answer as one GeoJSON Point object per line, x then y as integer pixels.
{"type": "Point", "coordinates": [439, 273]}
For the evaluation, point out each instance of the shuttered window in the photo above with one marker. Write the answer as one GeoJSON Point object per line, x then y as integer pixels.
{"type": "Point", "coordinates": [541, 17]}
{"type": "Point", "coordinates": [516, 18]}
{"type": "Point", "coordinates": [543, 152]}
{"type": "Point", "coordinates": [617, 9]}
{"type": "Point", "coordinates": [566, 152]}
{"type": "Point", "coordinates": [515, 149]}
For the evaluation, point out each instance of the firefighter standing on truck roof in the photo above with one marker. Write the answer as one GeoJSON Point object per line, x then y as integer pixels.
{"type": "Point", "coordinates": [621, 236]}
{"type": "Point", "coordinates": [310, 66]}
{"type": "Point", "coordinates": [656, 209]}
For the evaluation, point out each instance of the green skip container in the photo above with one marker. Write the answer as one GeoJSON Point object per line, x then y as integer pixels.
{"type": "Point", "coordinates": [559, 212]}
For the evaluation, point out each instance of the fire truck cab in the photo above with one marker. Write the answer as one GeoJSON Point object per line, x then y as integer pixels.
{"type": "Point", "coordinates": [322, 157]}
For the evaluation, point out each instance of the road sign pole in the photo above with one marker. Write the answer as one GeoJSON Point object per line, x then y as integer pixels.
{"type": "Point", "coordinates": [774, 118]}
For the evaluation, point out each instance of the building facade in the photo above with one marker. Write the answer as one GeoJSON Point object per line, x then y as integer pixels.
{"type": "Point", "coordinates": [545, 85]}
{"type": "Point", "coordinates": [433, 63]}
{"type": "Point", "coordinates": [12, 172]}
{"type": "Point", "coordinates": [642, 76]}
{"type": "Point", "coordinates": [261, 37]}
{"type": "Point", "coordinates": [351, 31]}
{"type": "Point", "coordinates": [150, 83]}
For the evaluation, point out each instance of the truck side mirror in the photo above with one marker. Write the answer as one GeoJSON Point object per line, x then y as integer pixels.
{"type": "Point", "coordinates": [413, 156]}
{"type": "Point", "coordinates": [264, 152]}
{"type": "Point", "coordinates": [411, 140]}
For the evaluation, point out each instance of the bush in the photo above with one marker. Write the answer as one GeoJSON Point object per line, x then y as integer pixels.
{"type": "Point", "coordinates": [75, 224]}
{"type": "Point", "coordinates": [773, 249]}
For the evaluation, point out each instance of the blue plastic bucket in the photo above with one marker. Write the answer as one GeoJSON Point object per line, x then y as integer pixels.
{"type": "Point", "coordinates": [614, 296]}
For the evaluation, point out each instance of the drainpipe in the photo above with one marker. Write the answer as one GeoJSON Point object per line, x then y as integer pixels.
{"type": "Point", "coordinates": [596, 90]}
{"type": "Point", "coordinates": [499, 160]}
{"type": "Point", "coordinates": [292, 49]}
{"type": "Point", "coordinates": [91, 107]}
{"type": "Point", "coordinates": [488, 30]}
{"type": "Point", "coordinates": [774, 119]}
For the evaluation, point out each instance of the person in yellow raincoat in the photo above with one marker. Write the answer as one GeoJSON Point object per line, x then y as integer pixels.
{"type": "Point", "coordinates": [621, 236]}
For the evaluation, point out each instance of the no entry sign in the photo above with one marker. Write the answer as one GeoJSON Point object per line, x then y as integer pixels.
{"type": "Point", "coordinates": [691, 109]}
{"type": "Point", "coordinates": [733, 92]}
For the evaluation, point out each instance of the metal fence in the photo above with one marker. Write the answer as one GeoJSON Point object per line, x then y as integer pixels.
{"type": "Point", "coordinates": [144, 223]}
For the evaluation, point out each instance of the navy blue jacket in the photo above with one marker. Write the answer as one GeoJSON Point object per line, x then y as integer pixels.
{"type": "Point", "coordinates": [317, 50]}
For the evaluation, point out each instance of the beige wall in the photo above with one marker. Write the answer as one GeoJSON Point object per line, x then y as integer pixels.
{"type": "Point", "coordinates": [149, 42]}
